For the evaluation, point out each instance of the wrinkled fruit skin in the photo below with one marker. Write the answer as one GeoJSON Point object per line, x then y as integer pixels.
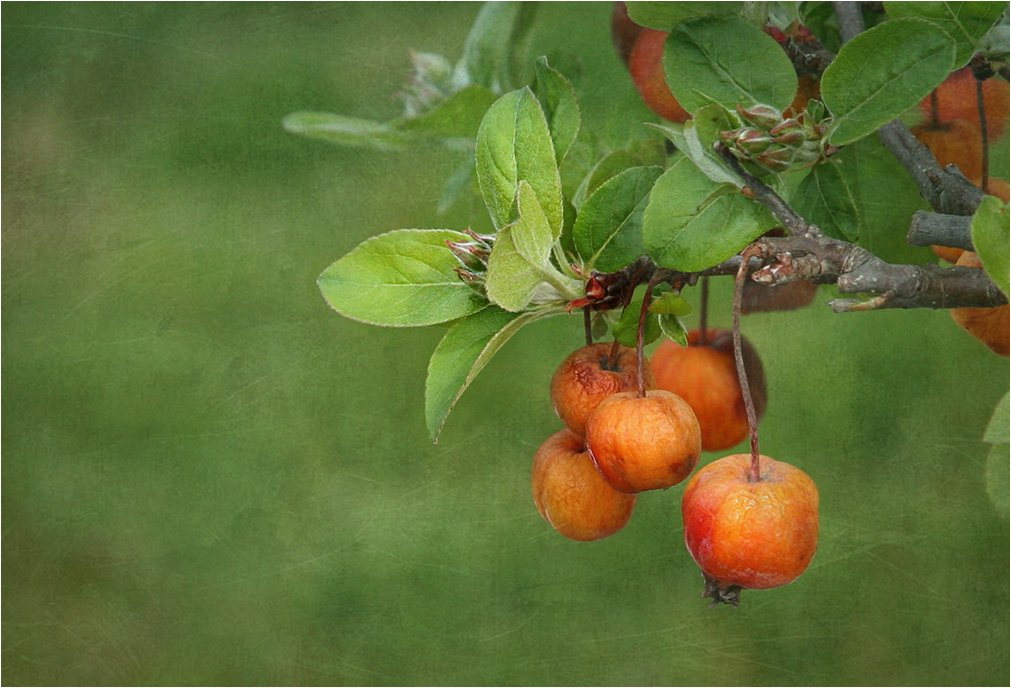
{"type": "Point", "coordinates": [705, 376]}
{"type": "Point", "coordinates": [570, 493]}
{"type": "Point", "coordinates": [752, 535]}
{"type": "Point", "coordinates": [643, 443]}
{"type": "Point", "coordinates": [992, 326]}
{"type": "Point", "coordinates": [645, 65]}
{"type": "Point", "coordinates": [584, 379]}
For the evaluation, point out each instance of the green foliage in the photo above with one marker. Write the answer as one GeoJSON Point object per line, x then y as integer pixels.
{"type": "Point", "coordinates": [990, 237]}
{"type": "Point", "coordinates": [824, 198]}
{"type": "Point", "coordinates": [965, 22]}
{"type": "Point", "coordinates": [883, 72]}
{"type": "Point", "coordinates": [665, 15]}
{"type": "Point", "coordinates": [713, 59]}
{"type": "Point", "coordinates": [626, 329]}
{"type": "Point", "coordinates": [403, 278]}
{"type": "Point", "coordinates": [558, 100]}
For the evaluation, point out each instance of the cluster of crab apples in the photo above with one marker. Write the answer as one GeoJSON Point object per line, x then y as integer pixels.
{"type": "Point", "coordinates": [635, 425]}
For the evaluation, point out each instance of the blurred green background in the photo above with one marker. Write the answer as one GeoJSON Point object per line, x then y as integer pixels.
{"type": "Point", "coordinates": [209, 477]}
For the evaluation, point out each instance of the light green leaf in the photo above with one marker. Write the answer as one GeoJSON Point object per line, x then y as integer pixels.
{"type": "Point", "coordinates": [729, 61]}
{"type": "Point", "coordinates": [670, 303]}
{"type": "Point", "coordinates": [966, 22]}
{"type": "Point", "coordinates": [883, 72]}
{"type": "Point", "coordinates": [558, 100]}
{"type": "Point", "coordinates": [674, 329]}
{"type": "Point", "coordinates": [824, 198]}
{"type": "Point", "coordinates": [998, 477]}
{"type": "Point", "coordinates": [626, 330]}
{"type": "Point", "coordinates": [664, 15]}
{"type": "Point", "coordinates": [403, 278]}
{"type": "Point", "coordinates": [998, 430]}
{"type": "Point", "coordinates": [457, 117]}
{"type": "Point", "coordinates": [513, 144]}
{"type": "Point", "coordinates": [490, 52]}
{"type": "Point", "coordinates": [608, 229]}
{"type": "Point", "coordinates": [691, 223]}
{"type": "Point", "coordinates": [990, 237]}
{"type": "Point", "coordinates": [348, 131]}
{"type": "Point", "coordinates": [464, 351]}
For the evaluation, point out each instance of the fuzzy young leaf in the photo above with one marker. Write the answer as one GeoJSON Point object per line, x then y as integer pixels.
{"type": "Point", "coordinates": [462, 353]}
{"type": "Point", "coordinates": [692, 223]}
{"type": "Point", "coordinates": [513, 144]}
{"type": "Point", "coordinates": [403, 278]}
{"type": "Point", "coordinates": [883, 72]}
{"type": "Point", "coordinates": [966, 22]}
{"type": "Point", "coordinates": [627, 327]}
{"type": "Point", "coordinates": [608, 229]}
{"type": "Point", "coordinates": [824, 199]}
{"type": "Point", "coordinates": [990, 236]}
{"type": "Point", "coordinates": [558, 100]}
{"type": "Point", "coordinates": [662, 16]}
{"type": "Point", "coordinates": [715, 60]}
{"type": "Point", "coordinates": [348, 131]}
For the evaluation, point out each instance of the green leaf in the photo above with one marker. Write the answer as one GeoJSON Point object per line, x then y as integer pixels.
{"type": "Point", "coordinates": [347, 131]}
{"type": "Point", "coordinates": [403, 278]}
{"type": "Point", "coordinates": [490, 51]}
{"type": "Point", "coordinates": [608, 229]}
{"type": "Point", "coordinates": [701, 132]}
{"type": "Point", "coordinates": [513, 144]}
{"type": "Point", "coordinates": [464, 351]}
{"type": "Point", "coordinates": [558, 100]}
{"type": "Point", "coordinates": [611, 164]}
{"type": "Point", "coordinates": [883, 72]}
{"type": "Point", "coordinates": [990, 236]}
{"type": "Point", "coordinates": [885, 196]}
{"type": "Point", "coordinates": [520, 260]}
{"type": "Point", "coordinates": [998, 477]}
{"type": "Point", "coordinates": [691, 223]}
{"type": "Point", "coordinates": [670, 303]}
{"type": "Point", "coordinates": [457, 117]}
{"type": "Point", "coordinates": [674, 329]}
{"type": "Point", "coordinates": [824, 198]}
{"type": "Point", "coordinates": [966, 22]}
{"type": "Point", "coordinates": [664, 15]}
{"type": "Point", "coordinates": [729, 61]}
{"type": "Point", "coordinates": [627, 328]}
{"type": "Point", "coordinates": [998, 430]}
{"type": "Point", "coordinates": [456, 183]}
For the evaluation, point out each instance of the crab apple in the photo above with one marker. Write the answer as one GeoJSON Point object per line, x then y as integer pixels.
{"type": "Point", "coordinates": [956, 142]}
{"type": "Point", "coordinates": [645, 65]}
{"type": "Point", "coordinates": [641, 443]}
{"type": "Point", "coordinates": [588, 376]}
{"type": "Point", "coordinates": [956, 100]}
{"type": "Point", "coordinates": [624, 31]}
{"type": "Point", "coordinates": [704, 374]}
{"type": "Point", "coordinates": [750, 534]}
{"type": "Point", "coordinates": [570, 493]}
{"type": "Point", "coordinates": [989, 325]}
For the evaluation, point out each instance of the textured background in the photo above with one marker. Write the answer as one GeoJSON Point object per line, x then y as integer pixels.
{"type": "Point", "coordinates": [210, 477]}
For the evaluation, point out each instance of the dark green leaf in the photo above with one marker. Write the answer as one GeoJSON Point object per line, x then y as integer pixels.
{"type": "Point", "coordinates": [824, 198]}
{"type": "Point", "coordinates": [691, 223]}
{"type": "Point", "coordinates": [403, 278]}
{"type": "Point", "coordinates": [608, 229]}
{"type": "Point", "coordinates": [664, 15]}
{"type": "Point", "coordinates": [558, 100]}
{"type": "Point", "coordinates": [966, 22]}
{"type": "Point", "coordinates": [347, 131]}
{"type": "Point", "coordinates": [670, 303]}
{"type": "Point", "coordinates": [463, 352]}
{"type": "Point", "coordinates": [990, 236]}
{"type": "Point", "coordinates": [883, 72]}
{"type": "Point", "coordinates": [611, 164]}
{"type": "Point", "coordinates": [729, 61]}
{"type": "Point", "coordinates": [513, 144]}
{"type": "Point", "coordinates": [627, 327]}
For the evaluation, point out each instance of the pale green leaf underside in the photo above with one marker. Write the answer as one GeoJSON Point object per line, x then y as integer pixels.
{"type": "Point", "coordinates": [403, 278]}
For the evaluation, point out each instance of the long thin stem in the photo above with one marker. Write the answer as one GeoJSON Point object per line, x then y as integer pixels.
{"type": "Point", "coordinates": [703, 310]}
{"type": "Point", "coordinates": [640, 336]}
{"type": "Point", "coordinates": [587, 325]}
{"type": "Point", "coordinates": [980, 107]}
{"type": "Point", "coordinates": [742, 374]}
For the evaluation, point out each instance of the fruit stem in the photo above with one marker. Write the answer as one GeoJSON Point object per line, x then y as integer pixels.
{"type": "Point", "coordinates": [703, 310]}
{"type": "Point", "coordinates": [742, 375]}
{"type": "Point", "coordinates": [933, 108]}
{"type": "Point", "coordinates": [587, 325]}
{"type": "Point", "coordinates": [982, 132]}
{"type": "Point", "coordinates": [640, 336]}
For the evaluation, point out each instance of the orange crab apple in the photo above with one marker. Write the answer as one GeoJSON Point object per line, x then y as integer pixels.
{"type": "Point", "coordinates": [570, 493]}
{"type": "Point", "coordinates": [748, 533]}
{"type": "Point", "coordinates": [989, 325]}
{"type": "Point", "coordinates": [645, 65]}
{"type": "Point", "coordinates": [588, 376]}
{"type": "Point", "coordinates": [704, 374]}
{"type": "Point", "coordinates": [641, 443]}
